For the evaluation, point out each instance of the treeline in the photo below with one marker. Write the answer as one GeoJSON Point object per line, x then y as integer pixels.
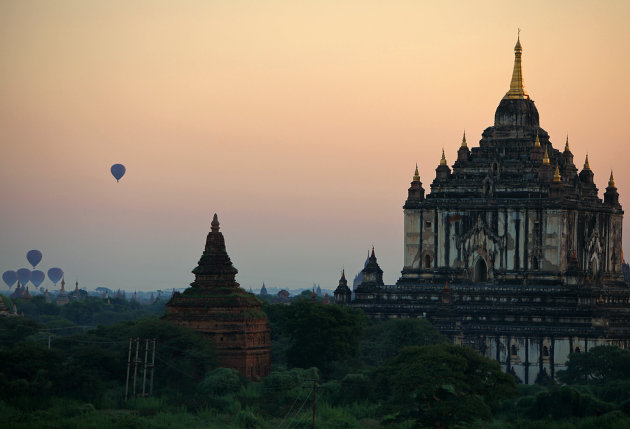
{"type": "Point", "coordinates": [88, 311]}
{"type": "Point", "coordinates": [399, 373]}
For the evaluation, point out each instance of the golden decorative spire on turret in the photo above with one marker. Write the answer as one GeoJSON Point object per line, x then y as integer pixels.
{"type": "Point", "coordinates": [443, 160]}
{"type": "Point", "coordinates": [464, 140]}
{"type": "Point", "coordinates": [556, 176]}
{"type": "Point", "coordinates": [537, 141]}
{"type": "Point", "coordinates": [611, 181]}
{"type": "Point", "coordinates": [416, 176]}
{"type": "Point", "coordinates": [517, 90]}
{"type": "Point", "coordinates": [566, 145]}
{"type": "Point", "coordinates": [546, 157]}
{"type": "Point", "coordinates": [587, 166]}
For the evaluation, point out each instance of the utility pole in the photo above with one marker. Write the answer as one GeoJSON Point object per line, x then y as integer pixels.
{"type": "Point", "coordinates": [144, 376]}
{"type": "Point", "coordinates": [314, 397]}
{"type": "Point", "coordinates": [145, 365]}
{"type": "Point", "coordinates": [314, 400]}
{"type": "Point", "coordinates": [135, 368]}
{"type": "Point", "coordinates": [128, 367]}
{"type": "Point", "coordinates": [152, 369]}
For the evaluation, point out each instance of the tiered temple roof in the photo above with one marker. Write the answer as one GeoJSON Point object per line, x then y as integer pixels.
{"type": "Point", "coordinates": [216, 306]}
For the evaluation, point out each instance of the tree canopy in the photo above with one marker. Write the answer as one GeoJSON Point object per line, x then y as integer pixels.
{"type": "Point", "coordinates": [597, 366]}
{"type": "Point", "coordinates": [440, 385]}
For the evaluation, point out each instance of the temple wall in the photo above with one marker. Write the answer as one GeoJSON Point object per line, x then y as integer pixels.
{"type": "Point", "coordinates": [526, 357]}
{"type": "Point", "coordinates": [512, 240]}
{"type": "Point", "coordinates": [412, 231]}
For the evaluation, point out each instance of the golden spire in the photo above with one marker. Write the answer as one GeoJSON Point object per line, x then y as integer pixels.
{"type": "Point", "coordinates": [546, 157]}
{"type": "Point", "coordinates": [443, 160]}
{"type": "Point", "coordinates": [537, 141]}
{"type": "Point", "coordinates": [566, 145]}
{"type": "Point", "coordinates": [556, 176]}
{"type": "Point", "coordinates": [464, 140]}
{"type": "Point", "coordinates": [517, 90]}
{"type": "Point", "coordinates": [611, 181]}
{"type": "Point", "coordinates": [416, 176]}
{"type": "Point", "coordinates": [587, 166]}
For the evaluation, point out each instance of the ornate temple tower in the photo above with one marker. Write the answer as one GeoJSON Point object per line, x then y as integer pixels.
{"type": "Point", "coordinates": [512, 251]}
{"type": "Point", "coordinates": [513, 210]}
{"type": "Point", "coordinates": [343, 294]}
{"type": "Point", "coordinates": [223, 312]}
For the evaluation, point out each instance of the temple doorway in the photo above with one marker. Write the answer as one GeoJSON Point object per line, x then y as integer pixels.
{"type": "Point", "coordinates": [481, 271]}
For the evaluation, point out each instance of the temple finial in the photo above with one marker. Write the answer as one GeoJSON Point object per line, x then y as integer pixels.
{"type": "Point", "coordinates": [517, 89]}
{"type": "Point", "coordinates": [611, 181]}
{"type": "Point", "coordinates": [556, 175]}
{"type": "Point", "coordinates": [546, 157]}
{"type": "Point", "coordinates": [372, 255]}
{"type": "Point", "coordinates": [343, 274]}
{"type": "Point", "coordinates": [416, 175]}
{"type": "Point", "coordinates": [566, 145]}
{"type": "Point", "coordinates": [443, 160]}
{"type": "Point", "coordinates": [214, 226]}
{"type": "Point", "coordinates": [464, 140]}
{"type": "Point", "coordinates": [587, 166]}
{"type": "Point", "coordinates": [537, 141]}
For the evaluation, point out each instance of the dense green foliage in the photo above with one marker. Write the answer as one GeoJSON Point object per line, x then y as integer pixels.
{"type": "Point", "coordinates": [369, 374]}
{"type": "Point", "coordinates": [600, 365]}
{"type": "Point", "coordinates": [88, 311]}
{"type": "Point", "coordinates": [322, 334]}
{"type": "Point", "coordinates": [442, 385]}
{"type": "Point", "coordinates": [87, 366]}
{"type": "Point", "coordinates": [384, 339]}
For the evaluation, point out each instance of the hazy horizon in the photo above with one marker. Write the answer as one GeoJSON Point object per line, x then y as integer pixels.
{"type": "Point", "coordinates": [298, 123]}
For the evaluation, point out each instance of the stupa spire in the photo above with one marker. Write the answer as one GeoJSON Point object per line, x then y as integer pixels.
{"type": "Point", "coordinates": [546, 157]}
{"type": "Point", "coordinates": [443, 160]}
{"type": "Point", "coordinates": [214, 225]}
{"type": "Point", "coordinates": [416, 175]}
{"type": "Point", "coordinates": [215, 261]}
{"type": "Point", "coordinates": [517, 90]}
{"type": "Point", "coordinates": [556, 175]}
{"type": "Point", "coordinates": [566, 145]}
{"type": "Point", "coordinates": [587, 166]}
{"type": "Point", "coordinates": [537, 141]}
{"type": "Point", "coordinates": [611, 181]}
{"type": "Point", "coordinates": [464, 144]}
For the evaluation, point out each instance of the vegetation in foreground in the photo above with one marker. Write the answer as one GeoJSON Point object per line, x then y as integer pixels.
{"type": "Point", "coordinates": [369, 374]}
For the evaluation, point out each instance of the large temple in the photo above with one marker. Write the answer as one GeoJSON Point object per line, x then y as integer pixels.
{"type": "Point", "coordinates": [223, 312]}
{"type": "Point", "coordinates": [512, 252]}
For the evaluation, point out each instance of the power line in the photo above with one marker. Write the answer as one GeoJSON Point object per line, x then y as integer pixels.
{"type": "Point", "coordinates": [288, 412]}
{"type": "Point", "coordinates": [300, 410]}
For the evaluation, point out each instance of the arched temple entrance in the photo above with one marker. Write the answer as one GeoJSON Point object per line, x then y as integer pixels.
{"type": "Point", "coordinates": [481, 271]}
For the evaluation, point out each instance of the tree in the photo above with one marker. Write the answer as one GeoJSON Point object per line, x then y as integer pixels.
{"type": "Point", "coordinates": [441, 385]}
{"type": "Point", "coordinates": [322, 334]}
{"type": "Point", "coordinates": [597, 366]}
{"type": "Point", "coordinates": [384, 339]}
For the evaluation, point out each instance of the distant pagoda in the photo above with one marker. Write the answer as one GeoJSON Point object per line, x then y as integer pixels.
{"type": "Point", "coordinates": [223, 312]}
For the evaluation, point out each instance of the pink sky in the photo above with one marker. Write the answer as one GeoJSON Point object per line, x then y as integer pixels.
{"type": "Point", "coordinates": [299, 123]}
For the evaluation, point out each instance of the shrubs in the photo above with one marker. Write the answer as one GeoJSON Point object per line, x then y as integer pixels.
{"type": "Point", "coordinates": [221, 381]}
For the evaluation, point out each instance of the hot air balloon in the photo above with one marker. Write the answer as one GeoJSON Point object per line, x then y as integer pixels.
{"type": "Point", "coordinates": [37, 277]}
{"type": "Point", "coordinates": [55, 274]}
{"type": "Point", "coordinates": [23, 276]}
{"type": "Point", "coordinates": [9, 277]}
{"type": "Point", "coordinates": [33, 257]}
{"type": "Point", "coordinates": [118, 171]}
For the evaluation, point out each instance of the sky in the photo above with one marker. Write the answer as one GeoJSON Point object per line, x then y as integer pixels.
{"type": "Point", "coordinates": [298, 122]}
